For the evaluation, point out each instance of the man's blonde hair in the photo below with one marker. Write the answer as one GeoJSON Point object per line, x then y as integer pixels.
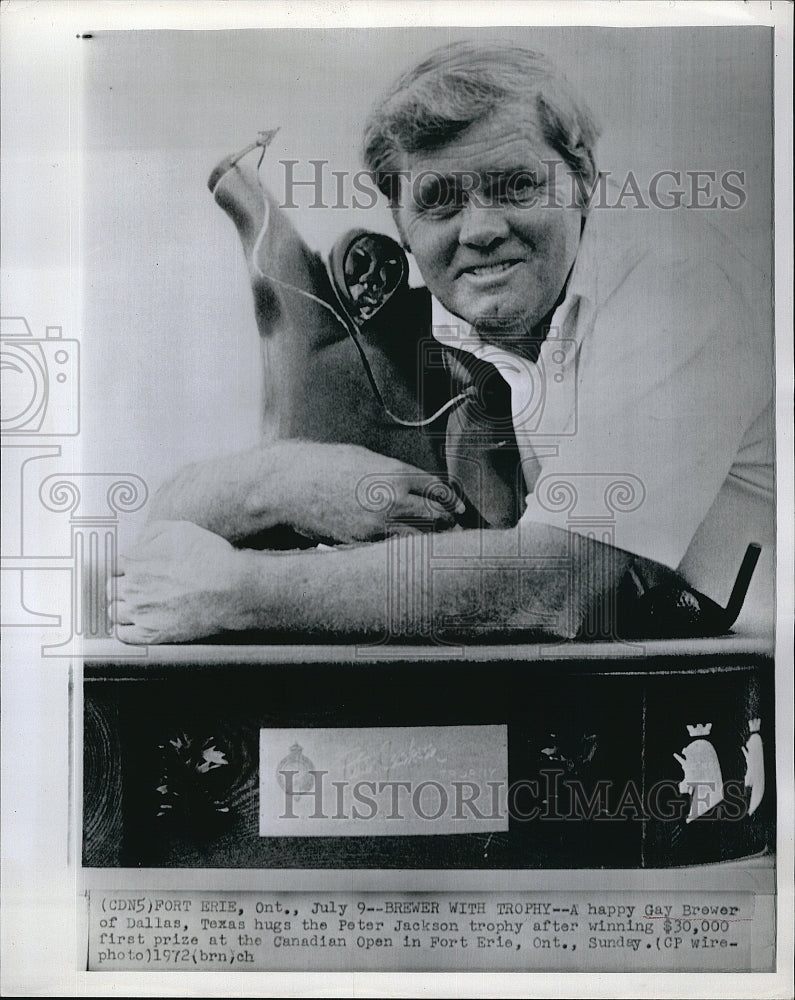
{"type": "Point", "coordinates": [457, 85]}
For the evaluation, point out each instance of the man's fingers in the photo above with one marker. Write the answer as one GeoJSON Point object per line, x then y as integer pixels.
{"type": "Point", "coordinates": [426, 508]}
{"type": "Point", "coordinates": [402, 529]}
{"type": "Point", "coordinates": [440, 514]}
{"type": "Point", "coordinates": [112, 590]}
{"type": "Point", "coordinates": [133, 635]}
{"type": "Point", "coordinates": [435, 491]}
{"type": "Point", "coordinates": [422, 516]}
{"type": "Point", "coordinates": [119, 614]}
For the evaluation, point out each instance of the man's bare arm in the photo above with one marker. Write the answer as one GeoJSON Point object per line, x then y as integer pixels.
{"type": "Point", "coordinates": [530, 577]}
{"type": "Point", "coordinates": [182, 583]}
{"type": "Point", "coordinates": [308, 486]}
{"type": "Point", "coordinates": [219, 494]}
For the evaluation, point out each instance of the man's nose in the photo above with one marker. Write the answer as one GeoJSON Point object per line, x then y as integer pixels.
{"type": "Point", "coordinates": [482, 225]}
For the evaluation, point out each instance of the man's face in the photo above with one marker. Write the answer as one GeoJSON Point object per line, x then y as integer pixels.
{"type": "Point", "coordinates": [496, 255]}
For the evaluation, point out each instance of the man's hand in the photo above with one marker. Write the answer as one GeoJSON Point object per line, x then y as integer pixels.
{"type": "Point", "coordinates": [178, 583]}
{"type": "Point", "coordinates": [327, 492]}
{"type": "Point", "coordinates": [345, 493]}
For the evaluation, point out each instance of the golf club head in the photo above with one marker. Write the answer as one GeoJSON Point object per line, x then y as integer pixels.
{"type": "Point", "coordinates": [671, 611]}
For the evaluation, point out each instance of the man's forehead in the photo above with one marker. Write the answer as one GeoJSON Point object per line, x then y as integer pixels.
{"type": "Point", "coordinates": [506, 140]}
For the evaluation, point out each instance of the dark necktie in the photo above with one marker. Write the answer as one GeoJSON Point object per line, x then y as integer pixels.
{"type": "Point", "coordinates": [480, 448]}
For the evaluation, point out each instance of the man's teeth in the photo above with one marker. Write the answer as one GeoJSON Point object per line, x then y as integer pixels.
{"type": "Point", "coordinates": [492, 268]}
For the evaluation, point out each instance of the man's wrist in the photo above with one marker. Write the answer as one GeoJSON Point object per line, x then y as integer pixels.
{"type": "Point", "coordinates": [272, 492]}
{"type": "Point", "coordinates": [249, 599]}
{"type": "Point", "coordinates": [260, 589]}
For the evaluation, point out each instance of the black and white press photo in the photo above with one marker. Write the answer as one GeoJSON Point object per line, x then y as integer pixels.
{"type": "Point", "coordinates": [410, 469]}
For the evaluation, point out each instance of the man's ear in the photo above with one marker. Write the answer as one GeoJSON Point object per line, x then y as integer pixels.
{"type": "Point", "coordinates": [585, 181]}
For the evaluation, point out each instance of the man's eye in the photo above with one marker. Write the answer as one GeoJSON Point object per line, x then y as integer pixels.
{"type": "Point", "coordinates": [441, 197]}
{"type": "Point", "coordinates": [522, 187]}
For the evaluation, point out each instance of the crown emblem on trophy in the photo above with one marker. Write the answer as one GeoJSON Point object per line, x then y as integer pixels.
{"type": "Point", "coordinates": [700, 729]}
{"type": "Point", "coordinates": [754, 725]}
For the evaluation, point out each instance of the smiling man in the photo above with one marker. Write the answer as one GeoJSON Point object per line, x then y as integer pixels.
{"type": "Point", "coordinates": [638, 397]}
{"type": "Point", "coordinates": [492, 220]}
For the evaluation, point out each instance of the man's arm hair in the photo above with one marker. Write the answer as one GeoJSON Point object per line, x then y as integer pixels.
{"type": "Point", "coordinates": [311, 488]}
{"type": "Point", "coordinates": [530, 578]}
{"type": "Point", "coordinates": [234, 496]}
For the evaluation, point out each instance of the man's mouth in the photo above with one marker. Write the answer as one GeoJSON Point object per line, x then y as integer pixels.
{"type": "Point", "coordinates": [490, 270]}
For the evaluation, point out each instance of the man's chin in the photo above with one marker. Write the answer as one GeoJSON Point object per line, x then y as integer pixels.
{"type": "Point", "coordinates": [499, 322]}
{"type": "Point", "coordinates": [496, 309]}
